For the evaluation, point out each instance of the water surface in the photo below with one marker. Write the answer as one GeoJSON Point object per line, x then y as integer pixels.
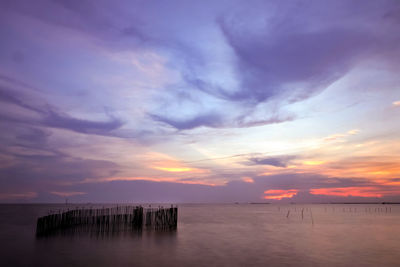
{"type": "Point", "coordinates": [218, 235]}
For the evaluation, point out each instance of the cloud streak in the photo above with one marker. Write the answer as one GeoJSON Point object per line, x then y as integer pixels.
{"type": "Point", "coordinates": [281, 161]}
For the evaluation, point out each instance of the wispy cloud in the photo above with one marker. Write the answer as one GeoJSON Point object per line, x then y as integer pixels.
{"type": "Point", "coordinates": [67, 194]}
{"type": "Point", "coordinates": [278, 161]}
{"type": "Point", "coordinates": [341, 137]}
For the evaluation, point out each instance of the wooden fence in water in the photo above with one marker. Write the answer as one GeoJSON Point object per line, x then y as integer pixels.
{"type": "Point", "coordinates": [108, 220]}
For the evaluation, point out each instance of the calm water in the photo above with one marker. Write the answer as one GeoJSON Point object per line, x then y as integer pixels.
{"type": "Point", "coordinates": [218, 235]}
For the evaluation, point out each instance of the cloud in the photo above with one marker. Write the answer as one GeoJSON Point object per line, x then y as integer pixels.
{"type": "Point", "coordinates": [284, 53]}
{"type": "Point", "coordinates": [341, 137]}
{"type": "Point", "coordinates": [277, 56]}
{"type": "Point", "coordinates": [218, 120]}
{"type": "Point", "coordinates": [281, 161]}
{"type": "Point", "coordinates": [48, 116]}
{"type": "Point", "coordinates": [13, 97]}
{"type": "Point", "coordinates": [260, 54]}
{"type": "Point", "coordinates": [348, 191]}
{"type": "Point", "coordinates": [53, 119]}
{"type": "Point", "coordinates": [280, 194]}
{"type": "Point", "coordinates": [210, 120]}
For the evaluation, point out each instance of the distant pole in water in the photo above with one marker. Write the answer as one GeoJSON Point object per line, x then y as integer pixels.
{"type": "Point", "coordinates": [288, 212]}
{"type": "Point", "coordinates": [312, 219]}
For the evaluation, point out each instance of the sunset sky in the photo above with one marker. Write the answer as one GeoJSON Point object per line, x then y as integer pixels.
{"type": "Point", "coordinates": [199, 101]}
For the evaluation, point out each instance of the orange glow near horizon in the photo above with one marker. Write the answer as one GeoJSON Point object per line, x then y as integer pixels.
{"type": "Point", "coordinates": [174, 169]}
{"type": "Point", "coordinates": [279, 194]}
{"type": "Point", "coordinates": [369, 168]}
{"type": "Point", "coordinates": [166, 163]}
{"type": "Point", "coordinates": [348, 191]}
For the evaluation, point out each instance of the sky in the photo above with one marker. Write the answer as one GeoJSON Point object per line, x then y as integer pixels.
{"type": "Point", "coordinates": [199, 101]}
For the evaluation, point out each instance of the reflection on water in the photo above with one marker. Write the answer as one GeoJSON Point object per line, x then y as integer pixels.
{"type": "Point", "coordinates": [217, 235]}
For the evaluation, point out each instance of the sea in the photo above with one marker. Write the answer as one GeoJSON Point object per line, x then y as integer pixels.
{"type": "Point", "coordinates": [216, 235]}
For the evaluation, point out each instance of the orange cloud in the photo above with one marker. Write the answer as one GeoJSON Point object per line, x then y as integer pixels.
{"type": "Point", "coordinates": [248, 180]}
{"type": "Point", "coordinates": [279, 194]}
{"type": "Point", "coordinates": [363, 167]}
{"type": "Point", "coordinates": [396, 103]}
{"type": "Point", "coordinates": [348, 191]}
{"type": "Point", "coordinates": [358, 167]}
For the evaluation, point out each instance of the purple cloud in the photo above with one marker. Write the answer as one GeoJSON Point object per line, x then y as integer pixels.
{"type": "Point", "coordinates": [53, 119]}
{"type": "Point", "coordinates": [281, 161]}
{"type": "Point", "coordinates": [210, 120]}
{"type": "Point", "coordinates": [48, 116]}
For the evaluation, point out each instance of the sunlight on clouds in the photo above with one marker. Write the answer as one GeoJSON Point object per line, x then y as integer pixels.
{"type": "Point", "coordinates": [353, 132]}
{"type": "Point", "coordinates": [313, 162]}
{"type": "Point", "coordinates": [247, 180]}
{"type": "Point", "coordinates": [348, 191]}
{"type": "Point", "coordinates": [279, 194]}
{"type": "Point", "coordinates": [174, 169]}
{"type": "Point", "coordinates": [396, 103]}
{"type": "Point", "coordinates": [354, 167]}
{"type": "Point", "coordinates": [341, 136]}
{"type": "Point", "coordinates": [167, 163]}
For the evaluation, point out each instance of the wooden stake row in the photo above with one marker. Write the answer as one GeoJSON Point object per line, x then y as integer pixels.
{"type": "Point", "coordinates": [107, 220]}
